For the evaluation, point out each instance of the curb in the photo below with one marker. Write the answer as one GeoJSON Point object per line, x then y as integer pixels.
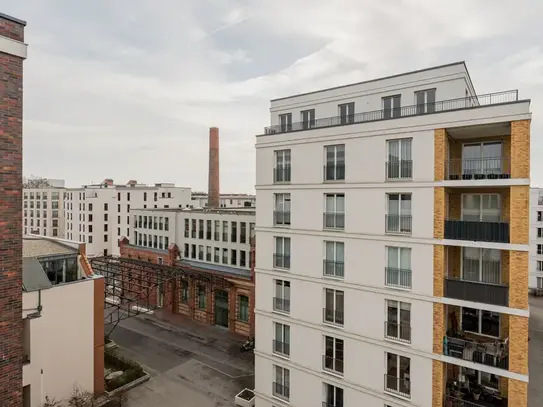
{"type": "Point", "coordinates": [128, 386]}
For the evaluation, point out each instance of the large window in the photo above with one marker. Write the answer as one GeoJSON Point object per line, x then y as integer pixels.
{"type": "Point", "coordinates": [334, 211]}
{"type": "Point", "coordinates": [281, 342]}
{"type": "Point", "coordinates": [282, 253]}
{"type": "Point", "coordinates": [333, 396]}
{"type": "Point", "coordinates": [399, 159]}
{"type": "Point", "coordinates": [398, 270]}
{"type": "Point", "coordinates": [398, 218]}
{"type": "Point", "coordinates": [334, 170]}
{"type": "Point", "coordinates": [481, 207]}
{"type": "Point", "coordinates": [425, 101]}
{"type": "Point", "coordinates": [392, 106]}
{"type": "Point", "coordinates": [346, 113]}
{"type": "Point", "coordinates": [282, 209]}
{"type": "Point", "coordinates": [281, 385]}
{"type": "Point", "coordinates": [308, 119]}
{"type": "Point", "coordinates": [282, 166]}
{"type": "Point", "coordinates": [334, 261]}
{"type": "Point", "coordinates": [482, 158]}
{"type": "Point", "coordinates": [281, 301]}
{"type": "Point", "coordinates": [398, 324]}
{"type": "Point", "coordinates": [397, 378]}
{"type": "Point", "coordinates": [201, 297]}
{"type": "Point", "coordinates": [285, 120]}
{"type": "Point", "coordinates": [185, 291]}
{"type": "Point", "coordinates": [481, 322]}
{"type": "Point", "coordinates": [481, 265]}
{"type": "Point", "coordinates": [333, 354]}
{"type": "Point", "coordinates": [334, 306]}
{"type": "Point", "coordinates": [243, 308]}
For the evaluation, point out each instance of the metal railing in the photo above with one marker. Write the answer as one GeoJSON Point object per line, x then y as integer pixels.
{"type": "Point", "coordinates": [400, 332]}
{"type": "Point", "coordinates": [398, 385]}
{"type": "Point", "coordinates": [404, 111]}
{"type": "Point", "coordinates": [401, 224]}
{"type": "Point", "coordinates": [332, 364]}
{"type": "Point", "coordinates": [281, 217]}
{"type": "Point", "coordinates": [281, 261]}
{"type": "Point", "coordinates": [334, 220]}
{"type": "Point", "coordinates": [395, 277]}
{"type": "Point", "coordinates": [451, 401]}
{"type": "Point", "coordinates": [281, 173]}
{"type": "Point", "coordinates": [332, 316]}
{"type": "Point", "coordinates": [281, 391]}
{"type": "Point", "coordinates": [476, 291]}
{"type": "Point", "coordinates": [225, 237]}
{"type": "Point", "coordinates": [282, 348]}
{"type": "Point", "coordinates": [281, 304]}
{"type": "Point", "coordinates": [334, 172]}
{"type": "Point", "coordinates": [488, 354]}
{"type": "Point", "coordinates": [497, 232]}
{"type": "Point", "coordinates": [399, 170]}
{"type": "Point", "coordinates": [478, 168]}
{"type": "Point", "coordinates": [334, 268]}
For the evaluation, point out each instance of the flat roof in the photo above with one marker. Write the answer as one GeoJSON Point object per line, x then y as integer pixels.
{"type": "Point", "coordinates": [34, 277]}
{"type": "Point", "coordinates": [380, 79]}
{"type": "Point", "coordinates": [225, 211]}
{"type": "Point", "coordinates": [36, 247]}
{"type": "Point", "coordinates": [14, 19]}
{"type": "Point", "coordinates": [217, 268]}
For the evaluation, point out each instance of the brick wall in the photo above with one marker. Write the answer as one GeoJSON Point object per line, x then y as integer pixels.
{"type": "Point", "coordinates": [11, 146]}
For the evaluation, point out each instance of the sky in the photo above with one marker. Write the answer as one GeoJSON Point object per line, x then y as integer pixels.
{"type": "Point", "coordinates": [127, 89]}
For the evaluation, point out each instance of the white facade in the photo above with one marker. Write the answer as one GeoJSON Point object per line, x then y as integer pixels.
{"type": "Point", "coordinates": [292, 265]}
{"type": "Point", "coordinates": [199, 200]}
{"type": "Point", "coordinates": [99, 215]}
{"type": "Point", "coordinates": [43, 211]}
{"type": "Point", "coordinates": [216, 237]}
{"type": "Point", "coordinates": [536, 238]}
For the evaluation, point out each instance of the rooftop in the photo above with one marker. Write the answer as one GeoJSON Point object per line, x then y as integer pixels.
{"type": "Point", "coordinates": [39, 247]}
{"type": "Point", "coordinates": [219, 268]}
{"type": "Point", "coordinates": [244, 210]}
{"type": "Point", "coordinates": [14, 19]}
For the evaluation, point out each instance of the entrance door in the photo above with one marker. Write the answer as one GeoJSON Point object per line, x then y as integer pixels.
{"type": "Point", "coordinates": [221, 308]}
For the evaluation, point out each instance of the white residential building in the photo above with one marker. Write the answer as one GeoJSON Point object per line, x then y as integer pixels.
{"type": "Point", "coordinates": [43, 211]}
{"type": "Point", "coordinates": [536, 238]}
{"type": "Point", "coordinates": [392, 238]}
{"type": "Point", "coordinates": [99, 214]}
{"type": "Point", "coordinates": [199, 200]}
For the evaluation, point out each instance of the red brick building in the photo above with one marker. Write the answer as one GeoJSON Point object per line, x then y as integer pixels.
{"type": "Point", "coordinates": [12, 54]}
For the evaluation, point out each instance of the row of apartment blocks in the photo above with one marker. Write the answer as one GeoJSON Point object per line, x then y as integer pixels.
{"type": "Point", "coordinates": [421, 211]}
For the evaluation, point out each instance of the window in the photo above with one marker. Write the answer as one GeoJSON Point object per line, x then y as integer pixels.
{"type": "Point", "coordinates": [216, 236]}
{"type": "Point", "coordinates": [105, 238]}
{"type": "Point", "coordinates": [186, 251]}
{"type": "Point", "coordinates": [281, 301]}
{"type": "Point", "coordinates": [539, 282]}
{"type": "Point", "coordinates": [200, 228]}
{"type": "Point", "coordinates": [333, 396]}
{"type": "Point", "coordinates": [55, 232]}
{"type": "Point", "coordinates": [399, 159]}
{"type": "Point", "coordinates": [397, 378]}
{"type": "Point", "coordinates": [208, 253]}
{"type": "Point", "coordinates": [282, 166]}
{"type": "Point", "coordinates": [54, 214]}
{"type": "Point", "coordinates": [333, 311]}
{"type": "Point", "coordinates": [282, 253]}
{"type": "Point", "coordinates": [90, 238]}
{"type": "Point", "coordinates": [398, 323]}
{"type": "Point", "coordinates": [285, 120]}
{"type": "Point", "coordinates": [128, 196]}
{"type": "Point", "coordinates": [485, 379]}
{"type": "Point", "coordinates": [217, 255]}
{"type": "Point", "coordinates": [333, 354]}
{"type": "Point", "coordinates": [539, 230]}
{"type": "Point", "coordinates": [106, 217]}
{"type": "Point", "coordinates": [225, 231]}
{"type": "Point", "coordinates": [233, 257]}
{"type": "Point", "coordinates": [281, 342]}
{"type": "Point", "coordinates": [186, 228]}
{"type": "Point", "coordinates": [282, 209]}
{"type": "Point", "coordinates": [539, 216]}
{"type": "Point", "coordinates": [281, 385]}
{"type": "Point", "coordinates": [193, 229]}
{"type": "Point", "coordinates": [90, 228]}
{"type": "Point", "coordinates": [392, 106]}
{"type": "Point", "coordinates": [334, 259]}
{"type": "Point", "coordinates": [398, 270]}
{"type": "Point", "coordinates": [118, 207]}
{"type": "Point", "coordinates": [145, 196]}
{"type": "Point", "coordinates": [425, 101]}
{"type": "Point", "coordinates": [481, 322]}
{"type": "Point", "coordinates": [481, 265]}
{"type": "Point", "coordinates": [118, 231]}
{"type": "Point", "coordinates": [201, 297]}
{"type": "Point", "coordinates": [224, 256]}
{"type": "Point", "coordinates": [334, 169]}
{"type": "Point", "coordinates": [200, 252]}
{"type": "Point", "coordinates": [118, 196]}
{"type": "Point", "coordinates": [308, 119]}
{"type": "Point", "coordinates": [208, 229]}
{"type": "Point", "coordinates": [243, 308]}
{"type": "Point", "coordinates": [481, 207]}
{"type": "Point", "coordinates": [398, 218]}
{"type": "Point", "coordinates": [185, 292]}
{"type": "Point", "coordinates": [540, 249]}
{"type": "Point", "coordinates": [243, 232]}
{"type": "Point", "coordinates": [480, 159]}
{"type": "Point", "coordinates": [346, 113]}
{"type": "Point", "coordinates": [105, 207]}
{"type": "Point", "coordinates": [334, 211]}
{"type": "Point", "coordinates": [242, 258]}
{"type": "Point", "coordinates": [105, 227]}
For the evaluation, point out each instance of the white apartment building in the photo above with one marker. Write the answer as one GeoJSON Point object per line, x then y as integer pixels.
{"type": "Point", "coordinates": [536, 238]}
{"type": "Point", "coordinates": [392, 238]}
{"type": "Point", "coordinates": [99, 214]}
{"type": "Point", "coordinates": [214, 237]}
{"type": "Point", "coordinates": [43, 211]}
{"type": "Point", "coordinates": [199, 200]}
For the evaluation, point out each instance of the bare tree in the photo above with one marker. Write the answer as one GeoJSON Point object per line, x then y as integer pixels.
{"type": "Point", "coordinates": [36, 182]}
{"type": "Point", "coordinates": [81, 398]}
{"type": "Point", "coordinates": [51, 402]}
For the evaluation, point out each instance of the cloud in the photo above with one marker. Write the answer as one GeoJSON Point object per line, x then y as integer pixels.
{"type": "Point", "coordinates": [127, 89]}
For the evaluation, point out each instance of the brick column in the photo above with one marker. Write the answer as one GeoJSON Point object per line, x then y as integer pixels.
{"type": "Point", "coordinates": [12, 54]}
{"type": "Point", "coordinates": [232, 308]}
{"type": "Point", "coordinates": [209, 304]}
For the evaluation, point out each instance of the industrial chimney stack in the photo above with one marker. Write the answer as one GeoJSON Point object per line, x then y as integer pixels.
{"type": "Point", "coordinates": [213, 180]}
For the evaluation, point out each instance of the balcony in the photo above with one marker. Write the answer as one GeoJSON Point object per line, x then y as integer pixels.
{"type": "Point", "coordinates": [281, 304]}
{"type": "Point", "coordinates": [331, 316]}
{"type": "Point", "coordinates": [398, 224]}
{"type": "Point", "coordinates": [477, 231]}
{"type": "Point", "coordinates": [476, 291]}
{"type": "Point", "coordinates": [331, 364]}
{"type": "Point", "coordinates": [490, 168]}
{"type": "Point", "coordinates": [281, 174]}
{"type": "Point", "coordinates": [281, 348]}
{"type": "Point", "coordinates": [399, 332]}
{"type": "Point", "coordinates": [399, 170]}
{"type": "Point", "coordinates": [334, 220]}
{"type": "Point", "coordinates": [472, 389]}
{"type": "Point", "coordinates": [281, 261]}
{"type": "Point", "coordinates": [451, 401]}
{"type": "Point", "coordinates": [398, 385]}
{"type": "Point", "coordinates": [334, 269]}
{"type": "Point", "coordinates": [404, 111]}
{"type": "Point", "coordinates": [334, 172]}
{"type": "Point", "coordinates": [281, 218]}
{"type": "Point", "coordinates": [398, 278]}
{"type": "Point", "coordinates": [494, 354]}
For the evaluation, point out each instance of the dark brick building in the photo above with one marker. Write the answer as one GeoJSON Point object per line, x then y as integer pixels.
{"type": "Point", "coordinates": [12, 54]}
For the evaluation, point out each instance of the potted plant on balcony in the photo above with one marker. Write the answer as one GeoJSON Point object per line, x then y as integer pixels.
{"type": "Point", "coordinates": [477, 391]}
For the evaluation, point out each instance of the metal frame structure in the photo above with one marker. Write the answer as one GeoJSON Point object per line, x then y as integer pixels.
{"type": "Point", "coordinates": [129, 283]}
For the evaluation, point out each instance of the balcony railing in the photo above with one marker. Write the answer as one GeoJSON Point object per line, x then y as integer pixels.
{"type": "Point", "coordinates": [281, 261]}
{"type": "Point", "coordinates": [478, 168]}
{"type": "Point", "coordinates": [489, 354]}
{"type": "Point", "coordinates": [334, 172]}
{"type": "Point", "coordinates": [281, 304]}
{"type": "Point", "coordinates": [281, 173]}
{"type": "Point", "coordinates": [225, 237]}
{"type": "Point", "coordinates": [398, 331]}
{"type": "Point", "coordinates": [404, 111]}
{"type": "Point", "coordinates": [281, 391]}
{"type": "Point", "coordinates": [497, 232]}
{"type": "Point", "coordinates": [334, 220]}
{"type": "Point", "coordinates": [398, 385]}
{"type": "Point", "coordinates": [451, 401]}
{"type": "Point", "coordinates": [399, 170]}
{"type": "Point", "coordinates": [332, 364]}
{"type": "Point", "coordinates": [401, 224]}
{"type": "Point", "coordinates": [281, 218]}
{"type": "Point", "coordinates": [395, 277]}
{"type": "Point", "coordinates": [282, 348]}
{"type": "Point", "coordinates": [332, 316]}
{"type": "Point", "coordinates": [476, 291]}
{"type": "Point", "coordinates": [334, 268]}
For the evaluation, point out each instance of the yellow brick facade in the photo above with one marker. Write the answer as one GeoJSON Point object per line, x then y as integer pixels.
{"type": "Point", "coordinates": [439, 212]}
{"type": "Point", "coordinates": [439, 269]}
{"type": "Point", "coordinates": [518, 279]}
{"type": "Point", "coordinates": [438, 383]}
{"type": "Point", "coordinates": [517, 393]}
{"type": "Point", "coordinates": [440, 153]}
{"type": "Point", "coordinates": [518, 344]}
{"type": "Point", "coordinates": [519, 214]}
{"type": "Point", "coordinates": [520, 149]}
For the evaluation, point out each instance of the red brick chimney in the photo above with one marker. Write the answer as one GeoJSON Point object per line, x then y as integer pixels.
{"type": "Point", "coordinates": [213, 175]}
